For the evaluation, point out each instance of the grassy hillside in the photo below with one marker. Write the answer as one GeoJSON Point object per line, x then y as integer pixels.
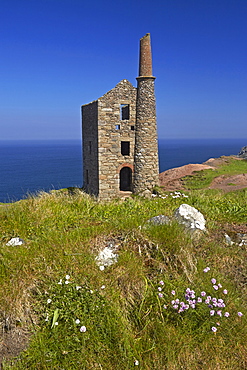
{"type": "Point", "coordinates": [123, 317]}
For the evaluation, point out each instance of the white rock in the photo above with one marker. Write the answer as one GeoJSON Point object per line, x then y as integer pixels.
{"type": "Point", "coordinates": [106, 257]}
{"type": "Point", "coordinates": [15, 241]}
{"type": "Point", "coordinates": [190, 217]}
{"type": "Point", "coordinates": [228, 240]}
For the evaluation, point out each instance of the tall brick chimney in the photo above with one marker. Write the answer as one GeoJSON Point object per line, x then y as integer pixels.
{"type": "Point", "coordinates": [146, 162]}
{"type": "Point", "coordinates": [145, 58]}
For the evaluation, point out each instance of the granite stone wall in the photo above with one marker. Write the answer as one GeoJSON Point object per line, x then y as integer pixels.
{"type": "Point", "coordinates": [146, 167]}
{"type": "Point", "coordinates": [90, 148]}
{"type": "Point", "coordinates": [111, 133]}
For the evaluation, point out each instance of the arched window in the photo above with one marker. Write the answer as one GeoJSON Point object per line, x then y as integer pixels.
{"type": "Point", "coordinates": [125, 179]}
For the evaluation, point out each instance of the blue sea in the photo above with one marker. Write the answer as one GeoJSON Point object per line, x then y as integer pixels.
{"type": "Point", "coordinates": [27, 167]}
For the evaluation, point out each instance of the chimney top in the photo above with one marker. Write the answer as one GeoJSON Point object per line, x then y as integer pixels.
{"type": "Point", "coordinates": [145, 59]}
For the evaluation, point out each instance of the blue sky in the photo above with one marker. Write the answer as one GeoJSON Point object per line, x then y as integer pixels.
{"type": "Point", "coordinates": [59, 54]}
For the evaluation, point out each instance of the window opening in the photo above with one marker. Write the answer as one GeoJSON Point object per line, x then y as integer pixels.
{"type": "Point", "coordinates": [125, 147]}
{"type": "Point", "coordinates": [117, 127]}
{"type": "Point", "coordinates": [124, 112]}
{"type": "Point", "coordinates": [132, 128]}
{"type": "Point", "coordinates": [87, 177]}
{"type": "Point", "coordinates": [125, 179]}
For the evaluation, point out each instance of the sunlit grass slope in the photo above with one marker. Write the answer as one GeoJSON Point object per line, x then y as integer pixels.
{"type": "Point", "coordinates": [156, 308]}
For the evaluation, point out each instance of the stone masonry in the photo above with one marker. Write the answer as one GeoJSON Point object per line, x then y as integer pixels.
{"type": "Point", "coordinates": [120, 152]}
{"type": "Point", "coordinates": [108, 142]}
{"type": "Point", "coordinates": [146, 162]}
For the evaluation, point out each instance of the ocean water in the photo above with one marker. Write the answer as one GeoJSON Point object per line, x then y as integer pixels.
{"type": "Point", "coordinates": [27, 167]}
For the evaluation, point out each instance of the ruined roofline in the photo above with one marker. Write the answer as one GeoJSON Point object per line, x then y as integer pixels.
{"type": "Point", "coordinates": [125, 81]}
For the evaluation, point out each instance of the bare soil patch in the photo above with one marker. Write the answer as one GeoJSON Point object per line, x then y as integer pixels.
{"type": "Point", "coordinates": [230, 183]}
{"type": "Point", "coordinates": [171, 179]}
{"type": "Point", "coordinates": [217, 162]}
{"type": "Point", "coordinates": [13, 340]}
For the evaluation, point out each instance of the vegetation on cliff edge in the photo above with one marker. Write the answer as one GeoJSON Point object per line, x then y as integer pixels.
{"type": "Point", "coordinates": [123, 317]}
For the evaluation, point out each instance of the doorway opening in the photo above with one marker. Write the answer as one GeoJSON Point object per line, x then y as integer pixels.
{"type": "Point", "coordinates": [125, 179]}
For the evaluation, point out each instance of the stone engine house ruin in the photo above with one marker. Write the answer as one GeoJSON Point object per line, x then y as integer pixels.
{"type": "Point", "coordinates": [120, 150]}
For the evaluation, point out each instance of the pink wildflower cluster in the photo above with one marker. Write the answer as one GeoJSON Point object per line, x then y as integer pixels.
{"type": "Point", "coordinates": [191, 300]}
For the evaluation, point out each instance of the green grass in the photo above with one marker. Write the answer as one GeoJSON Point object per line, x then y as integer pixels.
{"type": "Point", "coordinates": [125, 319]}
{"type": "Point", "coordinates": [203, 179]}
